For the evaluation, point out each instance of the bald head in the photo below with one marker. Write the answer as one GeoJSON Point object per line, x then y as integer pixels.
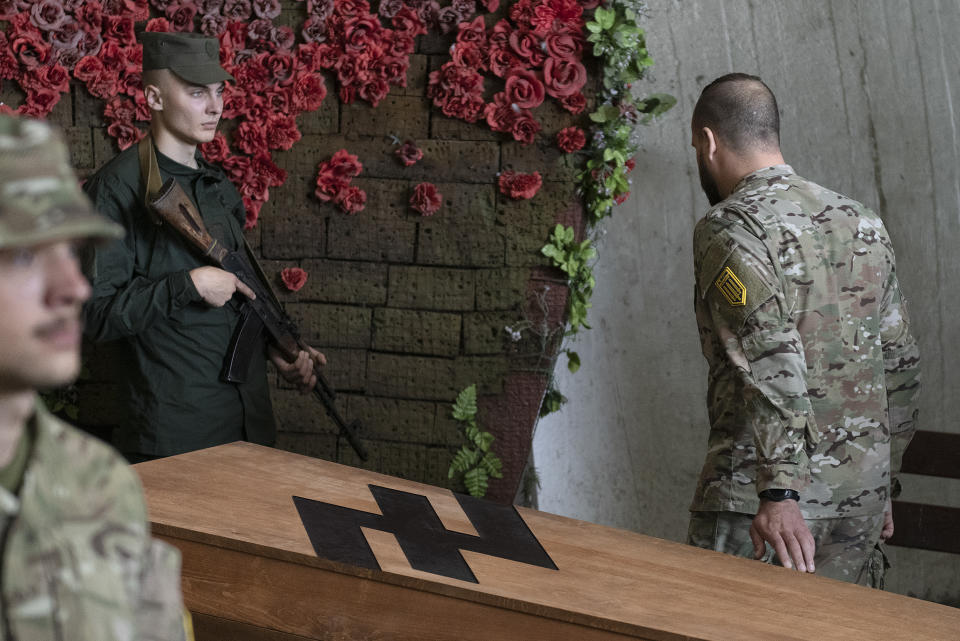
{"type": "Point", "coordinates": [741, 111]}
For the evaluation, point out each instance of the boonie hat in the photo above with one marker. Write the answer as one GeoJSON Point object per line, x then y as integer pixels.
{"type": "Point", "coordinates": [40, 197]}
{"type": "Point", "coordinates": [191, 56]}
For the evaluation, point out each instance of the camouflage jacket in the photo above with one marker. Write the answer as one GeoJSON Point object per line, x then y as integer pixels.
{"type": "Point", "coordinates": [813, 373]}
{"type": "Point", "coordinates": [78, 562]}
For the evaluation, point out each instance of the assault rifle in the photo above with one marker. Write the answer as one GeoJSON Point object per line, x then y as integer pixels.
{"type": "Point", "coordinates": [262, 312]}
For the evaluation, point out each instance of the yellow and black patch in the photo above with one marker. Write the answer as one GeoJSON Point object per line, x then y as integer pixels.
{"type": "Point", "coordinates": [731, 287]}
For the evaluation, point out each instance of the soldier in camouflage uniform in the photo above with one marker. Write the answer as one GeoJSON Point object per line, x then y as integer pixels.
{"type": "Point", "coordinates": [78, 561]}
{"type": "Point", "coordinates": [813, 373]}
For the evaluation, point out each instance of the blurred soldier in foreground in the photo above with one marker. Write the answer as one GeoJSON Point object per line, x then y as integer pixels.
{"type": "Point", "coordinates": [78, 561]}
{"type": "Point", "coordinates": [814, 375]}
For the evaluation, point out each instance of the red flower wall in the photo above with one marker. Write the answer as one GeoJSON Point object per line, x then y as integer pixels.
{"type": "Point", "coordinates": [419, 252]}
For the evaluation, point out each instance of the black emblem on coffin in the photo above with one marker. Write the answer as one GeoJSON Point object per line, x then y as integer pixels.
{"type": "Point", "coordinates": [335, 533]}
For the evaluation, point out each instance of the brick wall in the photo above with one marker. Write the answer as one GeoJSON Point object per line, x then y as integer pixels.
{"type": "Point", "coordinates": [408, 309]}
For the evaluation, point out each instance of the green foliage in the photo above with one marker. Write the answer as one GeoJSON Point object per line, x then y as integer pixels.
{"type": "Point", "coordinates": [620, 44]}
{"type": "Point", "coordinates": [574, 259]}
{"type": "Point", "coordinates": [553, 400]}
{"type": "Point", "coordinates": [475, 459]}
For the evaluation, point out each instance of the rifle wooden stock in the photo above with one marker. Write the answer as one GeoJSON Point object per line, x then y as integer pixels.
{"type": "Point", "coordinates": [177, 210]}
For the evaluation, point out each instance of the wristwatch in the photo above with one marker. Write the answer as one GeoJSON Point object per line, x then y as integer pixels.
{"type": "Point", "coordinates": [780, 495]}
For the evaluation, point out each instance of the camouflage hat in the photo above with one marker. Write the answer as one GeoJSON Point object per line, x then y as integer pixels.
{"type": "Point", "coordinates": [40, 197]}
{"type": "Point", "coordinates": [190, 56]}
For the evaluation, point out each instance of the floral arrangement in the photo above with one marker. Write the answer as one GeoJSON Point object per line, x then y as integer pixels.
{"type": "Point", "coordinates": [333, 182]}
{"type": "Point", "coordinates": [536, 52]}
{"type": "Point", "coordinates": [496, 75]}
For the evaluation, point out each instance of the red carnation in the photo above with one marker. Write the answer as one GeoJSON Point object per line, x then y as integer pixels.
{"type": "Point", "coordinates": [308, 91]}
{"type": "Point", "coordinates": [120, 110]}
{"type": "Point", "coordinates": [524, 127]}
{"type": "Point", "coordinates": [407, 21]}
{"type": "Point", "coordinates": [524, 89]}
{"type": "Point", "coordinates": [158, 24]}
{"type": "Point", "coordinates": [39, 103]}
{"type": "Point", "coordinates": [409, 153]}
{"type": "Point", "coordinates": [474, 32]}
{"type": "Point", "coordinates": [343, 164]}
{"type": "Point", "coordinates": [236, 168]}
{"type": "Point", "coordinates": [630, 164]}
{"type": "Point", "coordinates": [263, 165]}
{"type": "Point", "coordinates": [574, 104]}
{"type": "Point", "coordinates": [374, 89]}
{"type": "Point", "coordinates": [30, 50]}
{"type": "Point", "coordinates": [351, 200]}
{"type": "Point", "coordinates": [520, 186]}
{"type": "Point", "coordinates": [468, 54]}
{"type": "Point", "coordinates": [120, 29]}
{"type": "Point", "coordinates": [426, 199]}
{"type": "Point", "coordinates": [125, 133]}
{"type": "Point", "coordinates": [571, 139]}
{"type": "Point", "coordinates": [216, 150]}
{"type": "Point", "coordinates": [294, 278]}
{"type": "Point", "coordinates": [499, 113]}
{"type": "Point", "coordinates": [282, 131]}
{"type": "Point", "coordinates": [622, 198]}
{"type": "Point", "coordinates": [328, 186]}
{"type": "Point", "coordinates": [250, 137]}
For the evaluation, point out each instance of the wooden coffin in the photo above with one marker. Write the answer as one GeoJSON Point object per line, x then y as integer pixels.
{"type": "Point", "coordinates": [251, 569]}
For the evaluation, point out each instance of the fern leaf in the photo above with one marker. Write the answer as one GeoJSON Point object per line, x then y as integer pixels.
{"type": "Point", "coordinates": [465, 408]}
{"type": "Point", "coordinates": [492, 464]}
{"type": "Point", "coordinates": [465, 459]}
{"type": "Point", "coordinates": [484, 440]}
{"type": "Point", "coordinates": [476, 482]}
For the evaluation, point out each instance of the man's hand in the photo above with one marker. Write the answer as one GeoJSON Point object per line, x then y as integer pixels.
{"type": "Point", "coordinates": [780, 524]}
{"type": "Point", "coordinates": [887, 530]}
{"type": "Point", "coordinates": [217, 286]}
{"type": "Point", "coordinates": [299, 372]}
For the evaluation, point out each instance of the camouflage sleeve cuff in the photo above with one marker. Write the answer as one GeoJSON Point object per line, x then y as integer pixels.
{"type": "Point", "coordinates": [782, 476]}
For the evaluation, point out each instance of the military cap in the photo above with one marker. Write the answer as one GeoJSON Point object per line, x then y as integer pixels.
{"type": "Point", "coordinates": [40, 197]}
{"type": "Point", "coordinates": [191, 56]}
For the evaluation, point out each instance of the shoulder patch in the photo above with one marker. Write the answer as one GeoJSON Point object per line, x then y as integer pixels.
{"type": "Point", "coordinates": [732, 288]}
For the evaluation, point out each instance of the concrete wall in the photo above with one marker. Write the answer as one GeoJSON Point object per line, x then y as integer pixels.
{"type": "Point", "coordinates": [867, 92]}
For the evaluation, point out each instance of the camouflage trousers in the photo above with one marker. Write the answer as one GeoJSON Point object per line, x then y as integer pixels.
{"type": "Point", "coordinates": [848, 549]}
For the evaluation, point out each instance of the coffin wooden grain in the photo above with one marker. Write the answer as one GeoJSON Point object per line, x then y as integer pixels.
{"type": "Point", "coordinates": [251, 572]}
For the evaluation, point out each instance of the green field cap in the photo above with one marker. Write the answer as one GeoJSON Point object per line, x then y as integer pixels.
{"type": "Point", "coordinates": [191, 56]}
{"type": "Point", "coordinates": [40, 197]}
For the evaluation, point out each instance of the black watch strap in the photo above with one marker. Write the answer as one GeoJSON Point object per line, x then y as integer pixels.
{"type": "Point", "coordinates": [780, 495]}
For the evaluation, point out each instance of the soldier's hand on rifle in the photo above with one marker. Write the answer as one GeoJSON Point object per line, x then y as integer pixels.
{"type": "Point", "coordinates": [217, 286]}
{"type": "Point", "coordinates": [301, 371]}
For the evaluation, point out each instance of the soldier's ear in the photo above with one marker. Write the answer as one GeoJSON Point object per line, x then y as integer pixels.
{"type": "Point", "coordinates": [154, 97]}
{"type": "Point", "coordinates": [710, 141]}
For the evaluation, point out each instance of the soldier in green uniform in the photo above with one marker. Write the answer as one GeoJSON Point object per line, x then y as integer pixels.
{"type": "Point", "coordinates": [77, 558]}
{"type": "Point", "coordinates": [172, 315]}
{"type": "Point", "coordinates": [813, 374]}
